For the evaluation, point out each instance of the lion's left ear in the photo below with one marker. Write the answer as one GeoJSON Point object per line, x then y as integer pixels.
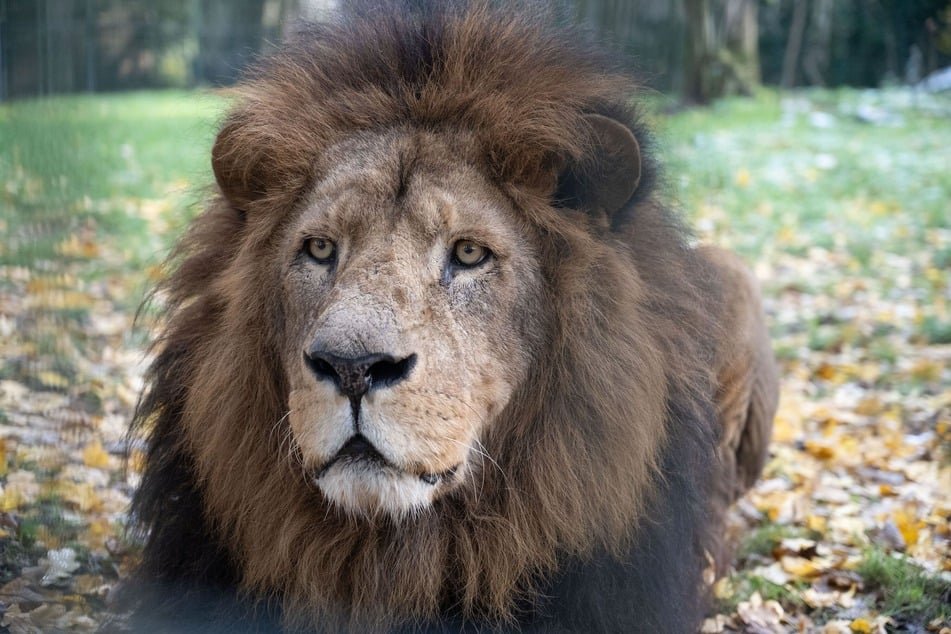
{"type": "Point", "coordinates": [608, 176]}
{"type": "Point", "coordinates": [236, 160]}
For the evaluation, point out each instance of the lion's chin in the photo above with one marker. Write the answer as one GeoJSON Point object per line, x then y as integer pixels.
{"type": "Point", "coordinates": [368, 489]}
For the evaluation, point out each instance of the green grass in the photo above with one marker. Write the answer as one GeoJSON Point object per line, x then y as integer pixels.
{"type": "Point", "coordinates": [761, 541]}
{"type": "Point", "coordinates": [101, 167]}
{"type": "Point", "coordinates": [904, 589]}
{"type": "Point", "coordinates": [746, 585]}
{"type": "Point", "coordinates": [101, 145]}
{"type": "Point", "coordinates": [805, 171]}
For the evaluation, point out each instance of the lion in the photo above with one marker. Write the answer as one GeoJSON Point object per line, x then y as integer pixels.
{"type": "Point", "coordinates": [438, 357]}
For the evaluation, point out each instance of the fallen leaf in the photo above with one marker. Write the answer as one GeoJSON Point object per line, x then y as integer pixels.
{"type": "Point", "coordinates": [95, 456]}
{"type": "Point", "coordinates": [60, 565]}
{"type": "Point", "coordinates": [763, 616]}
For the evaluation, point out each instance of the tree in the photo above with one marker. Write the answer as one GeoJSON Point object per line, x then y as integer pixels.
{"type": "Point", "coordinates": [721, 49]}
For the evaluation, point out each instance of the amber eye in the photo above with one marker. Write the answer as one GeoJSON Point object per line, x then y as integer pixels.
{"type": "Point", "coordinates": [468, 253]}
{"type": "Point", "coordinates": [321, 249]}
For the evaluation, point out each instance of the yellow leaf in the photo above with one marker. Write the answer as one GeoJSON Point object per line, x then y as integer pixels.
{"type": "Point", "coordinates": [861, 625]}
{"type": "Point", "coordinates": [800, 566]}
{"type": "Point", "coordinates": [830, 427]}
{"type": "Point", "coordinates": [79, 495]}
{"type": "Point", "coordinates": [826, 372]}
{"type": "Point", "coordinates": [778, 505]}
{"type": "Point", "coordinates": [52, 379]}
{"type": "Point", "coordinates": [95, 456]}
{"type": "Point", "coordinates": [925, 370]}
{"type": "Point", "coordinates": [77, 247]}
{"type": "Point", "coordinates": [99, 530]}
{"type": "Point", "coordinates": [723, 588]}
{"type": "Point", "coordinates": [822, 449]}
{"type": "Point", "coordinates": [743, 177]}
{"type": "Point", "coordinates": [816, 523]}
{"type": "Point", "coordinates": [935, 276]}
{"type": "Point", "coordinates": [783, 430]}
{"type": "Point", "coordinates": [786, 235]}
{"type": "Point", "coordinates": [21, 488]}
{"type": "Point", "coordinates": [869, 406]}
{"type": "Point", "coordinates": [908, 525]}
{"type": "Point", "coordinates": [9, 501]}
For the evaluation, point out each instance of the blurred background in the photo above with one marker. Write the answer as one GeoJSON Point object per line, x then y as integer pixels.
{"type": "Point", "coordinates": [811, 136]}
{"type": "Point", "coordinates": [698, 49]}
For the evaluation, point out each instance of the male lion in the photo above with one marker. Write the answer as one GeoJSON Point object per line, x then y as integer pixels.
{"type": "Point", "coordinates": [437, 358]}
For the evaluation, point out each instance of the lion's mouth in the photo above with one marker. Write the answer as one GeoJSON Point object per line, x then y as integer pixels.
{"type": "Point", "coordinates": [359, 451]}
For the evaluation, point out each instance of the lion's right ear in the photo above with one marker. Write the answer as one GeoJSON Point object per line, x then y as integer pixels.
{"type": "Point", "coordinates": [607, 177]}
{"type": "Point", "coordinates": [237, 163]}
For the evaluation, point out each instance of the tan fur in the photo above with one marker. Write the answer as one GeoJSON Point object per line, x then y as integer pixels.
{"type": "Point", "coordinates": [546, 374]}
{"type": "Point", "coordinates": [747, 375]}
{"type": "Point", "coordinates": [747, 378]}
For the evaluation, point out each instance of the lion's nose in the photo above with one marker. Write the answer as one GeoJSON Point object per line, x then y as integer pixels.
{"type": "Point", "coordinates": [354, 377]}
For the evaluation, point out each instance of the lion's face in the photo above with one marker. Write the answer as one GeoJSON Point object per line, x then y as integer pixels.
{"type": "Point", "coordinates": [406, 288]}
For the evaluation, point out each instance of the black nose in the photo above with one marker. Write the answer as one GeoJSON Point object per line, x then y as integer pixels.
{"type": "Point", "coordinates": [355, 377]}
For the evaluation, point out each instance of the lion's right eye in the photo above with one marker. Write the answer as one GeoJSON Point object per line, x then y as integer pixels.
{"type": "Point", "coordinates": [321, 249]}
{"type": "Point", "coordinates": [469, 254]}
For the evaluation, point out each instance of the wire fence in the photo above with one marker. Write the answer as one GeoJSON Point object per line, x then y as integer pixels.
{"type": "Point", "coordinates": [64, 46]}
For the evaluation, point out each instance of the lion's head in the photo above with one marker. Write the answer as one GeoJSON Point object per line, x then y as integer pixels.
{"type": "Point", "coordinates": [423, 343]}
{"type": "Point", "coordinates": [407, 283]}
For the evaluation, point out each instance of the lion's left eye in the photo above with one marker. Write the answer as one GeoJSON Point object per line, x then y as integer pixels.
{"type": "Point", "coordinates": [321, 249]}
{"type": "Point", "coordinates": [469, 254]}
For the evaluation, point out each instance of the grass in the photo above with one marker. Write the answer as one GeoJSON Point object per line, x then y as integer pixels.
{"type": "Point", "coordinates": [898, 587]}
{"type": "Point", "coordinates": [107, 169]}
{"type": "Point", "coordinates": [99, 145]}
{"type": "Point", "coordinates": [745, 585]}
{"type": "Point", "coordinates": [761, 541]}
{"type": "Point", "coordinates": [903, 589]}
{"type": "Point", "coordinates": [807, 171]}
{"type": "Point", "coordinates": [755, 548]}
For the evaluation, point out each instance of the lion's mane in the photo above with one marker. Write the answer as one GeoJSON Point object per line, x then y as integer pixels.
{"type": "Point", "coordinates": [601, 458]}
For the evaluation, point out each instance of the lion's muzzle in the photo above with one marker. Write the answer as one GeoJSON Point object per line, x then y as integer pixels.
{"type": "Point", "coordinates": [354, 377]}
{"type": "Point", "coordinates": [359, 450]}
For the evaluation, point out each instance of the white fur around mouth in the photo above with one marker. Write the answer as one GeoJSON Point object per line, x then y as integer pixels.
{"type": "Point", "coordinates": [366, 488]}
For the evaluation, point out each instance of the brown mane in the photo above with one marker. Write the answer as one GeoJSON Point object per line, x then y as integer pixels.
{"type": "Point", "coordinates": [579, 450]}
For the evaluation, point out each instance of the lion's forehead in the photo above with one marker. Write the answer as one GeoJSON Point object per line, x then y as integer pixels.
{"type": "Point", "coordinates": [405, 185]}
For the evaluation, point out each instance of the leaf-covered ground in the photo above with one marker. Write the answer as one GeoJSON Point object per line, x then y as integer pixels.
{"type": "Point", "coordinates": [840, 201]}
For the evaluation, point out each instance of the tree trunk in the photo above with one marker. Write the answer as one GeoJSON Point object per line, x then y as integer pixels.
{"type": "Point", "coordinates": [721, 54]}
{"type": "Point", "coordinates": [700, 52]}
{"type": "Point", "coordinates": [815, 61]}
{"type": "Point", "coordinates": [794, 43]}
{"type": "Point", "coordinates": [742, 46]}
